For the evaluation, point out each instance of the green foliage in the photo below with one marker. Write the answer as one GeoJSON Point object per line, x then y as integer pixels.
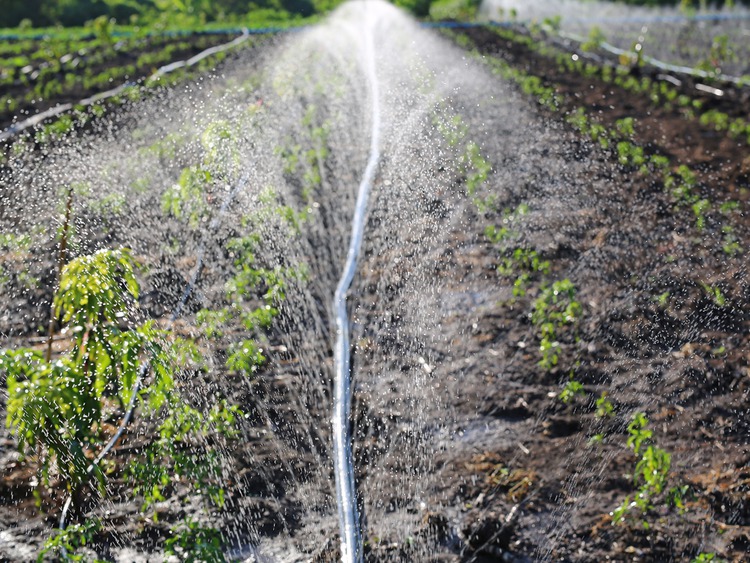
{"type": "Point", "coordinates": [181, 453]}
{"type": "Point", "coordinates": [595, 39]}
{"type": "Point", "coordinates": [186, 199]}
{"type": "Point", "coordinates": [51, 407]}
{"type": "Point", "coordinates": [64, 543]}
{"type": "Point", "coordinates": [458, 10]}
{"type": "Point", "coordinates": [571, 390]}
{"type": "Point", "coordinates": [700, 208]}
{"type": "Point", "coordinates": [650, 474]}
{"type": "Point", "coordinates": [631, 155]}
{"type": "Point", "coordinates": [638, 433]}
{"type": "Point", "coordinates": [730, 243]}
{"type": "Point", "coordinates": [715, 293]}
{"type": "Point", "coordinates": [306, 164]}
{"type": "Point", "coordinates": [246, 357]}
{"type": "Point", "coordinates": [720, 53]}
{"type": "Point", "coordinates": [161, 12]}
{"type": "Point", "coordinates": [193, 543]}
{"type": "Point", "coordinates": [604, 407]}
{"type": "Point", "coordinates": [555, 308]}
{"type": "Point", "coordinates": [706, 557]}
{"type": "Point", "coordinates": [55, 408]}
{"type": "Point", "coordinates": [419, 8]}
{"type": "Point", "coordinates": [681, 184]}
{"type": "Point", "coordinates": [96, 289]}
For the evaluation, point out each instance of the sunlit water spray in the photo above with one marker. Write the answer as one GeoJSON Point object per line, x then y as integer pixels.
{"type": "Point", "coordinates": [437, 378]}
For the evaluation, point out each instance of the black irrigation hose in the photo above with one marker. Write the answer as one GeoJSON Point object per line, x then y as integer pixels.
{"type": "Point", "coordinates": [176, 313]}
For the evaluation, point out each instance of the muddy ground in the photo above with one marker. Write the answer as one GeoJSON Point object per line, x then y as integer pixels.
{"type": "Point", "coordinates": [515, 476]}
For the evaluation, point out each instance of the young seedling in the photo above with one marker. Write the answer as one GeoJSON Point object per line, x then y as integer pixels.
{"type": "Point", "coordinates": [650, 474]}
{"type": "Point", "coordinates": [55, 408]}
{"type": "Point", "coordinates": [571, 390]}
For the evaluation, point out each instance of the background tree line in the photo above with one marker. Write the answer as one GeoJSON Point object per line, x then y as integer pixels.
{"type": "Point", "coordinates": [40, 13]}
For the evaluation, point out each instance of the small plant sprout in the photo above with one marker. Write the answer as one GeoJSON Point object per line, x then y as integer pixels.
{"type": "Point", "coordinates": [708, 557]}
{"type": "Point", "coordinates": [650, 474]}
{"type": "Point", "coordinates": [715, 293]}
{"type": "Point", "coordinates": [662, 300]}
{"type": "Point", "coordinates": [571, 390]}
{"type": "Point", "coordinates": [604, 407]}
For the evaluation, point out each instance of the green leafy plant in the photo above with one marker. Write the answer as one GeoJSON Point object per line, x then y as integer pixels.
{"type": "Point", "coordinates": [650, 474]}
{"type": "Point", "coordinates": [194, 543]}
{"type": "Point", "coordinates": [595, 39]}
{"type": "Point", "coordinates": [555, 308]}
{"type": "Point", "coordinates": [56, 407]}
{"type": "Point", "coordinates": [604, 407]}
{"type": "Point", "coordinates": [715, 293]}
{"type": "Point", "coordinates": [571, 390]}
{"type": "Point", "coordinates": [65, 543]}
{"type": "Point", "coordinates": [730, 244]}
{"type": "Point", "coordinates": [700, 208]}
{"type": "Point", "coordinates": [180, 453]}
{"type": "Point", "coordinates": [186, 199]}
{"type": "Point", "coordinates": [246, 357]}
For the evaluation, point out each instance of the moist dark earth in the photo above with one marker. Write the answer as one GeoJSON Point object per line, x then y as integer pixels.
{"type": "Point", "coordinates": [526, 483]}
{"type": "Point", "coordinates": [189, 46]}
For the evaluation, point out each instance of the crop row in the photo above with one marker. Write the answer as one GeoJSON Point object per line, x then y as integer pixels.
{"type": "Point", "coordinates": [714, 47]}
{"type": "Point", "coordinates": [88, 75]}
{"type": "Point", "coordinates": [625, 75]}
{"type": "Point", "coordinates": [62, 404]}
{"type": "Point", "coordinates": [679, 180]}
{"type": "Point", "coordinates": [82, 116]}
{"type": "Point", "coordinates": [554, 310]}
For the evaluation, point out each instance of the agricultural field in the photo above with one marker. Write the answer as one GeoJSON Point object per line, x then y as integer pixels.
{"type": "Point", "coordinates": [374, 290]}
{"type": "Point", "coordinates": [41, 74]}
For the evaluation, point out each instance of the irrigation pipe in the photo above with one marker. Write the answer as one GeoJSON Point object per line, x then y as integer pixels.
{"type": "Point", "coordinates": [176, 313]}
{"type": "Point", "coordinates": [351, 539]}
{"type": "Point", "coordinates": [661, 65]}
{"type": "Point", "coordinates": [35, 120]}
{"type": "Point", "coordinates": [668, 67]}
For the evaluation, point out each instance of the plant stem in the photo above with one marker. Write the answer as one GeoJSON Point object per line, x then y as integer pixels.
{"type": "Point", "coordinates": [61, 258]}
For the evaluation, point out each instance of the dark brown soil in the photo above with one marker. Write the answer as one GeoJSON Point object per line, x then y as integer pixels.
{"type": "Point", "coordinates": [520, 480]}
{"type": "Point", "coordinates": [545, 493]}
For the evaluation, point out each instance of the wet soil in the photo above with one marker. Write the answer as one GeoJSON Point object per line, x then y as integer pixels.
{"type": "Point", "coordinates": [517, 475]}
{"type": "Point", "coordinates": [530, 484]}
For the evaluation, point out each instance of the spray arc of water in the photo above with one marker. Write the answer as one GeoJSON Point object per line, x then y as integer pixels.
{"type": "Point", "coordinates": [351, 539]}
